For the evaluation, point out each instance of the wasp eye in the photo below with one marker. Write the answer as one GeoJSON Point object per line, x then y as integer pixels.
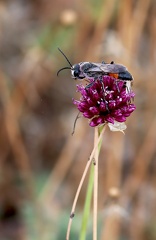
{"type": "Point", "coordinates": [76, 73]}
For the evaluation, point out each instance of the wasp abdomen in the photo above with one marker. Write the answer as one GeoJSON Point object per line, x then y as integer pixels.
{"type": "Point", "coordinates": [125, 76]}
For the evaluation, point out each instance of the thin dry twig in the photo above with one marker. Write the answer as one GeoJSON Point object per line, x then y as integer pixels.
{"type": "Point", "coordinates": [81, 183]}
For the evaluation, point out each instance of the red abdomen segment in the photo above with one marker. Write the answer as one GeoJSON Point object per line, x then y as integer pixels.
{"type": "Point", "coordinates": [114, 75]}
{"type": "Point", "coordinates": [122, 75]}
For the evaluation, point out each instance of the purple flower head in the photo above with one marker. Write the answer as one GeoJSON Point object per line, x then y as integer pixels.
{"type": "Point", "coordinates": [104, 102]}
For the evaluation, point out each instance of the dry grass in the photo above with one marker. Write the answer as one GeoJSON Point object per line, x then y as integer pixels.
{"type": "Point", "coordinates": [37, 115]}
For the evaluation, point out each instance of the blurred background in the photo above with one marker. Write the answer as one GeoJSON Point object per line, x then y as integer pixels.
{"type": "Point", "coordinates": [40, 162]}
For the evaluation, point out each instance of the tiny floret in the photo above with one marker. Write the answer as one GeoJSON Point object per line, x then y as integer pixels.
{"type": "Point", "coordinates": [105, 101]}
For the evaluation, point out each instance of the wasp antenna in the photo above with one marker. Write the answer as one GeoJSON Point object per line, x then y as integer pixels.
{"type": "Point", "coordinates": [65, 57]}
{"type": "Point", "coordinates": [62, 69]}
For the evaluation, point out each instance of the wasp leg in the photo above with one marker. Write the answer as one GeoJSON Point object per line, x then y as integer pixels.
{"type": "Point", "coordinates": [89, 85]}
{"type": "Point", "coordinates": [116, 83]}
{"type": "Point", "coordinates": [127, 85]}
{"type": "Point", "coordinates": [103, 88]}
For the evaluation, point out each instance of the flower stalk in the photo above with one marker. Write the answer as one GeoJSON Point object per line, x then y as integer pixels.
{"type": "Point", "coordinates": [91, 184]}
{"type": "Point", "coordinates": [72, 214]}
{"type": "Point", "coordinates": [95, 198]}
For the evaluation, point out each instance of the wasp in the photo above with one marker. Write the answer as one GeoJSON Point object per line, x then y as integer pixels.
{"type": "Point", "coordinates": [94, 71]}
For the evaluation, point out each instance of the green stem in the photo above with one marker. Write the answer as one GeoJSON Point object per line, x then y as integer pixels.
{"type": "Point", "coordinates": [89, 195]}
{"type": "Point", "coordinates": [95, 195]}
{"type": "Point", "coordinates": [87, 205]}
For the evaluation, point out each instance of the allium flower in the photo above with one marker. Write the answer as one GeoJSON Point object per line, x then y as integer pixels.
{"type": "Point", "coordinates": [109, 105]}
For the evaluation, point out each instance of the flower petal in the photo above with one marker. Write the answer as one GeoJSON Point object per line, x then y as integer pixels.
{"type": "Point", "coordinates": [109, 102]}
{"type": "Point", "coordinates": [117, 126]}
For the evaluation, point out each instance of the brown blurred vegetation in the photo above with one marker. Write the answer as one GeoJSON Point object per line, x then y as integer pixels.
{"type": "Point", "coordinates": [40, 162]}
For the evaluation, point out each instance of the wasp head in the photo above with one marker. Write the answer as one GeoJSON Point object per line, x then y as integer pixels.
{"type": "Point", "coordinates": [76, 72]}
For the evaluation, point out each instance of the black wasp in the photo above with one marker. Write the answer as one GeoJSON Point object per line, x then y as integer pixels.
{"type": "Point", "coordinates": [93, 70]}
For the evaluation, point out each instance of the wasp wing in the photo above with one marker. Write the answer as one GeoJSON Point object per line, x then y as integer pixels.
{"type": "Point", "coordinates": [108, 68]}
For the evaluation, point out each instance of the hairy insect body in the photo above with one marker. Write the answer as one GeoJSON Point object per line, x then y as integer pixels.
{"type": "Point", "coordinates": [94, 71]}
